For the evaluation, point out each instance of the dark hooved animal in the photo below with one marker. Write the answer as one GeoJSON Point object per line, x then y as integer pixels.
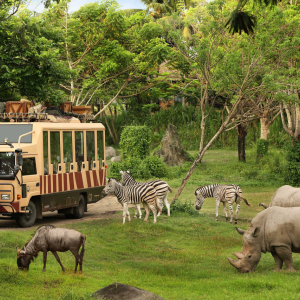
{"type": "Point", "coordinates": [161, 187]}
{"type": "Point", "coordinates": [49, 238]}
{"type": "Point", "coordinates": [285, 196]}
{"type": "Point", "coordinates": [222, 193]}
{"type": "Point", "coordinates": [133, 195]}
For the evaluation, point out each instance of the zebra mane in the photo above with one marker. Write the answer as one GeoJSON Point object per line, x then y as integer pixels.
{"type": "Point", "coordinates": [115, 179]}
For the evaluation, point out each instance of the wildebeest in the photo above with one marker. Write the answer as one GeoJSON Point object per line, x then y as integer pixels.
{"type": "Point", "coordinates": [49, 238]}
{"type": "Point", "coordinates": [285, 196]}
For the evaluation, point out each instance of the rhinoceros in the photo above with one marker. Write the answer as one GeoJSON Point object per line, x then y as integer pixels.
{"type": "Point", "coordinates": [285, 196]}
{"type": "Point", "coordinates": [275, 230]}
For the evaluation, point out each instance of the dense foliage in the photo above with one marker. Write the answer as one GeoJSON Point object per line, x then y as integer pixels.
{"type": "Point", "coordinates": [135, 142]}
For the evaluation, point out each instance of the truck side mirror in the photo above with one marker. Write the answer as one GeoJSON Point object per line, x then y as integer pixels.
{"type": "Point", "coordinates": [16, 169]}
{"type": "Point", "coordinates": [19, 160]}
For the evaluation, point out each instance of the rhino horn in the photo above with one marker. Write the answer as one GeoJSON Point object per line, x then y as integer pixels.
{"type": "Point", "coordinates": [234, 263]}
{"type": "Point", "coordinates": [238, 254]}
{"type": "Point", "coordinates": [240, 231]}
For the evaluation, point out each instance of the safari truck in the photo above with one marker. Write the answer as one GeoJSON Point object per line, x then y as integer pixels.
{"type": "Point", "coordinates": [47, 166]}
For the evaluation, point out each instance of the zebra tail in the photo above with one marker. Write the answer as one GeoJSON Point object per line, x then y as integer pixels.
{"type": "Point", "coordinates": [245, 200]}
{"type": "Point", "coordinates": [170, 189]}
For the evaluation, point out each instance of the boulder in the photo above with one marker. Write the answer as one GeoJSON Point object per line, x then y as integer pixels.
{"type": "Point", "coordinates": [119, 291]}
{"type": "Point", "coordinates": [110, 152]}
{"type": "Point", "coordinates": [115, 158]}
{"type": "Point", "coordinates": [171, 151]}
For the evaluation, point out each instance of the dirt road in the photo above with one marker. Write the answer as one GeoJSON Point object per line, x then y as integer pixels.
{"type": "Point", "coordinates": [105, 208]}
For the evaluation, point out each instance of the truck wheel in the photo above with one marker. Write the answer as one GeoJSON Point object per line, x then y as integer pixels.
{"type": "Point", "coordinates": [27, 219]}
{"type": "Point", "coordinates": [79, 210]}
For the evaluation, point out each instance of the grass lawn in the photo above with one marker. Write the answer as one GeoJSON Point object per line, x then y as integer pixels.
{"type": "Point", "coordinates": [181, 257]}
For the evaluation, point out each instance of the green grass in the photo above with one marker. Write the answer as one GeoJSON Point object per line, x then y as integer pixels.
{"type": "Point", "coordinates": [181, 257]}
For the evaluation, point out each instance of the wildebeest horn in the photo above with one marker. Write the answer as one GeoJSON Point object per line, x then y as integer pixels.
{"type": "Point", "coordinates": [234, 263]}
{"type": "Point", "coordinates": [238, 254]}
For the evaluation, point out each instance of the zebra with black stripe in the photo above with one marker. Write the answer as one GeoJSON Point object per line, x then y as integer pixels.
{"type": "Point", "coordinates": [161, 187]}
{"type": "Point", "coordinates": [132, 195]}
{"type": "Point", "coordinates": [222, 193]}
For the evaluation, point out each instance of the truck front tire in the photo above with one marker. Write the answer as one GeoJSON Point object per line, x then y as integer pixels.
{"type": "Point", "coordinates": [27, 219]}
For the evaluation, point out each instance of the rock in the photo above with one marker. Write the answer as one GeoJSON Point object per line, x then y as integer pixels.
{"type": "Point", "coordinates": [110, 152]}
{"type": "Point", "coordinates": [115, 158]}
{"type": "Point", "coordinates": [171, 150]}
{"type": "Point", "coordinates": [119, 291]}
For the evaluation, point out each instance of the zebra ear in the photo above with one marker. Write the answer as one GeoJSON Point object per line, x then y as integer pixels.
{"type": "Point", "coordinates": [121, 172]}
{"type": "Point", "coordinates": [196, 193]}
{"type": "Point", "coordinates": [128, 171]}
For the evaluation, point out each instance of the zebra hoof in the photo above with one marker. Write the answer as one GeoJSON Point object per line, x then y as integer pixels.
{"type": "Point", "coordinates": [226, 219]}
{"type": "Point", "coordinates": [140, 217]}
{"type": "Point", "coordinates": [217, 220]}
{"type": "Point", "coordinates": [135, 216]}
{"type": "Point", "coordinates": [235, 222]}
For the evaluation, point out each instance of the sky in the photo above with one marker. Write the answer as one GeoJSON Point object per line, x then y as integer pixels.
{"type": "Point", "coordinates": [75, 4]}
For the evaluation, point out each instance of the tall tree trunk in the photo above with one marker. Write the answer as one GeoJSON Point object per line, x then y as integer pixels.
{"type": "Point", "coordinates": [242, 132]}
{"type": "Point", "coordinates": [264, 128]}
{"type": "Point", "coordinates": [197, 160]}
{"type": "Point", "coordinates": [113, 124]}
{"type": "Point", "coordinates": [108, 127]}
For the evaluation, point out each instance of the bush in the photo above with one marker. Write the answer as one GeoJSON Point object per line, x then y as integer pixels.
{"type": "Point", "coordinates": [292, 174]}
{"type": "Point", "coordinates": [155, 166]}
{"type": "Point", "coordinates": [135, 142]}
{"type": "Point", "coordinates": [262, 148]}
{"type": "Point", "coordinates": [150, 167]}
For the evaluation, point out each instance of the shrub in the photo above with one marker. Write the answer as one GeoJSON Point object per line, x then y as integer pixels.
{"type": "Point", "coordinates": [262, 148]}
{"type": "Point", "coordinates": [155, 166]}
{"type": "Point", "coordinates": [135, 142]}
{"type": "Point", "coordinates": [292, 175]}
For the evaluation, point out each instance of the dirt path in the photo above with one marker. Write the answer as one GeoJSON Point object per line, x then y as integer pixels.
{"type": "Point", "coordinates": [103, 209]}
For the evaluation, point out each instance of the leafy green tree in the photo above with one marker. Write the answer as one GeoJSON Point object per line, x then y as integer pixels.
{"type": "Point", "coordinates": [29, 59]}
{"type": "Point", "coordinates": [105, 51]}
{"type": "Point", "coordinates": [237, 68]}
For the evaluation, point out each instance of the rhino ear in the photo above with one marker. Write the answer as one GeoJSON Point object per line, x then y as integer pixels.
{"type": "Point", "coordinates": [256, 231]}
{"type": "Point", "coordinates": [240, 231]}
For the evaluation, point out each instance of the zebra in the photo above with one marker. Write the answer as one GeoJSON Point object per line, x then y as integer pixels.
{"type": "Point", "coordinates": [222, 193]}
{"type": "Point", "coordinates": [132, 195]}
{"type": "Point", "coordinates": [161, 187]}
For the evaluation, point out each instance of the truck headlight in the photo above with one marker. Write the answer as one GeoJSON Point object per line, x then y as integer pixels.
{"type": "Point", "coordinates": [5, 197]}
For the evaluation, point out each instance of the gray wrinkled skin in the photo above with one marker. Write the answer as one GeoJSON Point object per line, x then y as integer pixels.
{"type": "Point", "coordinates": [275, 230]}
{"type": "Point", "coordinates": [285, 196]}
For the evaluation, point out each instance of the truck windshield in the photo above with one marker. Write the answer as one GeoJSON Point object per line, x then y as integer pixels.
{"type": "Point", "coordinates": [7, 163]}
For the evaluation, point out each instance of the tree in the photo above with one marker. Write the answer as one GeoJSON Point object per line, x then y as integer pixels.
{"type": "Point", "coordinates": [10, 7]}
{"type": "Point", "coordinates": [237, 68]}
{"type": "Point", "coordinates": [29, 60]}
{"type": "Point", "coordinates": [105, 51]}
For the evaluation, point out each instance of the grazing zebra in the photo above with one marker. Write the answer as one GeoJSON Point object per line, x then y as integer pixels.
{"type": "Point", "coordinates": [222, 193]}
{"type": "Point", "coordinates": [132, 195]}
{"type": "Point", "coordinates": [161, 187]}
